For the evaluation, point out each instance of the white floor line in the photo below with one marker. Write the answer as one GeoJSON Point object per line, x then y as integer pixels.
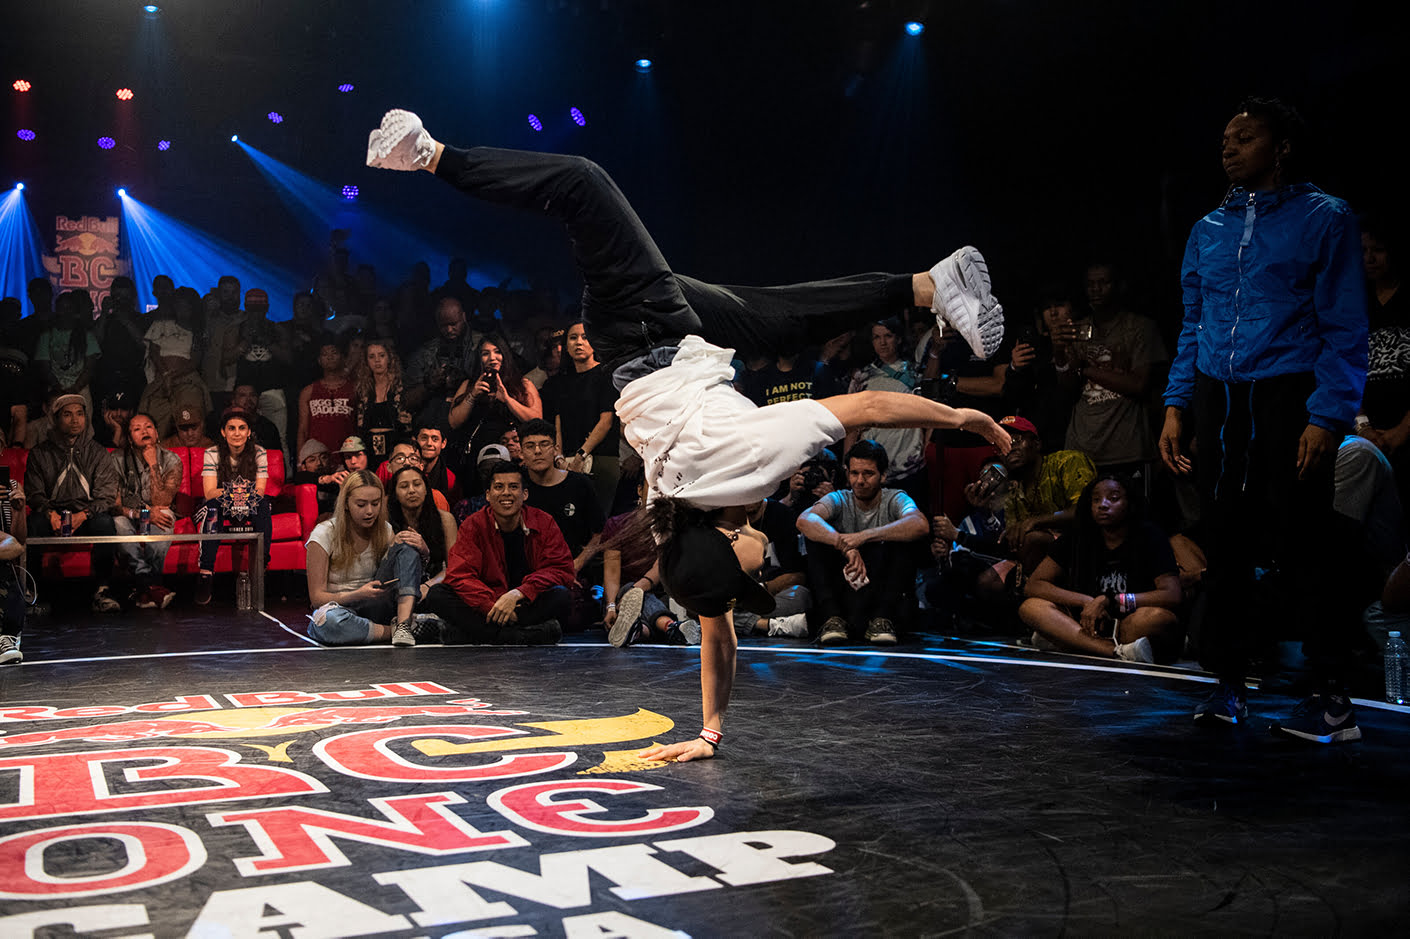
{"type": "Point", "coordinates": [280, 623]}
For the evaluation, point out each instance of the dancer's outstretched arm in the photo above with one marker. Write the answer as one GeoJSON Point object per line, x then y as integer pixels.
{"type": "Point", "coordinates": [717, 654]}
{"type": "Point", "coordinates": [894, 409]}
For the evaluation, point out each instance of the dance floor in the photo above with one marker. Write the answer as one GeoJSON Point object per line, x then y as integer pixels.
{"type": "Point", "coordinates": [216, 774]}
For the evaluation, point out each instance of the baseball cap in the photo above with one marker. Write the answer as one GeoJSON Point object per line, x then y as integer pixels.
{"type": "Point", "coordinates": [1013, 422]}
{"type": "Point", "coordinates": [187, 418]}
{"type": "Point", "coordinates": [492, 451]}
{"type": "Point", "coordinates": [353, 445]}
{"type": "Point", "coordinates": [118, 401]}
{"type": "Point", "coordinates": [699, 570]}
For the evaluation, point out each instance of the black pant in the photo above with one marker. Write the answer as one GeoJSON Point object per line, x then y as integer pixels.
{"type": "Point", "coordinates": [891, 571]}
{"type": "Point", "coordinates": [1266, 532]}
{"type": "Point", "coordinates": [103, 554]}
{"type": "Point", "coordinates": [263, 523]}
{"type": "Point", "coordinates": [632, 300]}
{"type": "Point", "coordinates": [465, 624]}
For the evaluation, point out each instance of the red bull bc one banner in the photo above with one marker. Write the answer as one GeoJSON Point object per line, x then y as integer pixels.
{"type": "Point", "coordinates": [85, 255]}
{"type": "Point", "coordinates": [404, 808]}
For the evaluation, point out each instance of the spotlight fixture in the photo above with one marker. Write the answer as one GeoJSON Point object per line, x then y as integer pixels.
{"type": "Point", "coordinates": [643, 65]}
{"type": "Point", "coordinates": [151, 8]}
{"type": "Point", "coordinates": [535, 123]}
{"type": "Point", "coordinates": [577, 117]}
{"type": "Point", "coordinates": [350, 193]}
{"type": "Point", "coordinates": [124, 94]}
{"type": "Point", "coordinates": [345, 87]}
{"type": "Point", "coordinates": [234, 138]}
{"type": "Point", "coordinates": [106, 143]}
{"type": "Point", "coordinates": [19, 186]}
{"type": "Point", "coordinates": [21, 85]}
{"type": "Point", "coordinates": [915, 28]}
{"type": "Point", "coordinates": [122, 193]}
{"type": "Point", "coordinates": [25, 134]}
{"type": "Point", "coordinates": [275, 117]}
{"type": "Point", "coordinates": [163, 145]}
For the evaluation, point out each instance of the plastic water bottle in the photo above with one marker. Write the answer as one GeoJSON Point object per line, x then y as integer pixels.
{"type": "Point", "coordinates": [1396, 655]}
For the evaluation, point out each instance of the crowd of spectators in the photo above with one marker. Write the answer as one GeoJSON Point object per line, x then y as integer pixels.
{"type": "Point", "coordinates": [472, 484]}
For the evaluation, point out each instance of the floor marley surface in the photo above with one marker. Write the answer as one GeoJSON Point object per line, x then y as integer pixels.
{"type": "Point", "coordinates": [224, 777]}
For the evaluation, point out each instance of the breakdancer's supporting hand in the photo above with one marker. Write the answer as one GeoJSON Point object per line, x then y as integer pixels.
{"type": "Point", "coordinates": [717, 652]}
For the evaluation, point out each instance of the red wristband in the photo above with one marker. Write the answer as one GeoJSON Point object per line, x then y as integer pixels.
{"type": "Point", "coordinates": [712, 737]}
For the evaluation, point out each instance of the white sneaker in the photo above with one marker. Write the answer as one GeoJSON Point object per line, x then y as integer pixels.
{"type": "Point", "coordinates": [1041, 642]}
{"type": "Point", "coordinates": [401, 143]}
{"type": "Point", "coordinates": [628, 612]}
{"type": "Point", "coordinates": [10, 650]}
{"type": "Point", "coordinates": [794, 627]}
{"type": "Point", "coordinates": [964, 300]}
{"type": "Point", "coordinates": [1138, 651]}
{"type": "Point", "coordinates": [402, 636]}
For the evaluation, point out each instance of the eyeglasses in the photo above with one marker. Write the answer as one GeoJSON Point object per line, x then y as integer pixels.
{"type": "Point", "coordinates": [531, 447]}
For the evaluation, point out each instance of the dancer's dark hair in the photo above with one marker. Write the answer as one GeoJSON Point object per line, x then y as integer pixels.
{"type": "Point", "coordinates": [1287, 126]}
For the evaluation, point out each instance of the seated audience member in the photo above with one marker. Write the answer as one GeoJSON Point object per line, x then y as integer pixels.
{"type": "Point", "coordinates": [490, 453]}
{"type": "Point", "coordinates": [1368, 539]}
{"type": "Point", "coordinates": [167, 395]}
{"type": "Point", "coordinates": [892, 371]}
{"type": "Point", "coordinates": [190, 430]}
{"type": "Point", "coordinates": [1032, 384]}
{"type": "Point", "coordinates": [970, 554]}
{"type": "Point", "coordinates": [813, 480]}
{"type": "Point", "coordinates": [111, 432]}
{"type": "Point", "coordinates": [431, 444]}
{"type": "Point", "coordinates": [149, 478]}
{"type": "Point", "coordinates": [855, 535]}
{"type": "Point", "coordinates": [326, 405]}
{"type": "Point", "coordinates": [362, 581]}
{"type": "Point", "coordinates": [784, 576]}
{"type": "Point", "coordinates": [1110, 364]}
{"type": "Point", "coordinates": [234, 476]}
{"type": "Point", "coordinates": [12, 596]}
{"type": "Point", "coordinates": [1384, 415]}
{"type": "Point", "coordinates": [631, 583]}
{"type": "Point", "coordinates": [438, 367]}
{"type": "Point", "coordinates": [1110, 585]}
{"type": "Point", "coordinates": [266, 431]}
{"type": "Point", "coordinates": [418, 522]}
{"type": "Point", "coordinates": [71, 472]}
{"type": "Point", "coordinates": [353, 454]}
{"type": "Point", "coordinates": [1043, 491]}
{"type": "Point", "coordinates": [509, 573]}
{"type": "Point", "coordinates": [567, 496]}
{"type": "Point", "coordinates": [406, 454]}
{"type": "Point", "coordinates": [316, 469]}
{"type": "Point", "coordinates": [580, 402]}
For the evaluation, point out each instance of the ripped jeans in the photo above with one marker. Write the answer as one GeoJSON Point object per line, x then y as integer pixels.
{"type": "Point", "coordinates": [336, 624]}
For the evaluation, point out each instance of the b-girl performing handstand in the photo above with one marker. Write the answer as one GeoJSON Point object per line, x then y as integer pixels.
{"type": "Point", "coordinates": [708, 450]}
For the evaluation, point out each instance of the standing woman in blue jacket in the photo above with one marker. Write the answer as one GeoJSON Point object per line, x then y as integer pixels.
{"type": "Point", "coordinates": [1272, 360]}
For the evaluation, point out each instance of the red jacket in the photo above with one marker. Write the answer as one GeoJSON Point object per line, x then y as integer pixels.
{"type": "Point", "coordinates": [475, 569]}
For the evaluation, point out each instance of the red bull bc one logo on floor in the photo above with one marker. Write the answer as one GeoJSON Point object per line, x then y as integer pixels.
{"type": "Point", "coordinates": [400, 808]}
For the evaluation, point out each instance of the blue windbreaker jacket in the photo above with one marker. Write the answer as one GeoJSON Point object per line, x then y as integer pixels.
{"type": "Point", "coordinates": [1273, 285]}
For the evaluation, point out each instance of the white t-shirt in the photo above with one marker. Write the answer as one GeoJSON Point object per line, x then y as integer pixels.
{"type": "Point", "coordinates": [706, 443]}
{"type": "Point", "coordinates": [360, 571]}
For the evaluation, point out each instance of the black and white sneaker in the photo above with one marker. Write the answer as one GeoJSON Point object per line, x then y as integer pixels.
{"type": "Point", "coordinates": [1322, 718]}
{"type": "Point", "coordinates": [402, 637]}
{"type": "Point", "coordinates": [628, 612]}
{"type": "Point", "coordinates": [10, 650]}
{"type": "Point", "coordinates": [963, 299]}
{"type": "Point", "coordinates": [401, 143]}
{"type": "Point", "coordinates": [1225, 705]}
{"type": "Point", "coordinates": [428, 627]}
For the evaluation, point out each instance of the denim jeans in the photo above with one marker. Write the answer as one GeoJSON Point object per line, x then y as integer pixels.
{"type": "Point", "coordinates": [337, 624]}
{"type": "Point", "coordinates": [147, 558]}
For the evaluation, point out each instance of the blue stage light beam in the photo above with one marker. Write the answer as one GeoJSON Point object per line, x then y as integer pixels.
{"type": "Point", "coordinates": [21, 248]}
{"type": "Point", "coordinates": [160, 244]}
{"type": "Point", "coordinates": [915, 28]}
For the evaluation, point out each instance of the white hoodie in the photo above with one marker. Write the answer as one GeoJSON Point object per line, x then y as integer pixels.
{"type": "Point", "coordinates": [706, 443]}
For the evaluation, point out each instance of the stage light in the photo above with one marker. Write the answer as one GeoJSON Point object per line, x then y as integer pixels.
{"type": "Point", "coordinates": [151, 8]}
{"type": "Point", "coordinates": [21, 85]}
{"type": "Point", "coordinates": [106, 143]}
{"type": "Point", "coordinates": [163, 145]}
{"type": "Point", "coordinates": [21, 248]}
{"type": "Point", "coordinates": [234, 138]}
{"type": "Point", "coordinates": [535, 123]}
{"type": "Point", "coordinates": [643, 65]}
{"type": "Point", "coordinates": [350, 193]}
{"type": "Point", "coordinates": [914, 28]}
{"type": "Point", "coordinates": [275, 117]}
{"type": "Point", "coordinates": [124, 94]}
{"type": "Point", "coordinates": [19, 186]}
{"type": "Point", "coordinates": [25, 134]}
{"type": "Point", "coordinates": [122, 193]}
{"type": "Point", "coordinates": [345, 87]}
{"type": "Point", "coordinates": [577, 117]}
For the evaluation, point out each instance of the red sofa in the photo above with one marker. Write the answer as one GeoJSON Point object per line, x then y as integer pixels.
{"type": "Point", "coordinates": [291, 529]}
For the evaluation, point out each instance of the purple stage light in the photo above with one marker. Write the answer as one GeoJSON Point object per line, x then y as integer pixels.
{"type": "Point", "coordinates": [577, 117]}
{"type": "Point", "coordinates": [350, 193]}
{"type": "Point", "coordinates": [163, 145]}
{"type": "Point", "coordinates": [106, 143]}
{"type": "Point", "coordinates": [345, 87]}
{"type": "Point", "coordinates": [275, 117]}
{"type": "Point", "coordinates": [535, 123]}
{"type": "Point", "coordinates": [25, 134]}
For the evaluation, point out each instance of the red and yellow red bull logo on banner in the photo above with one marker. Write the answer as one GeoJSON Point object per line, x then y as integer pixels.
{"type": "Point", "coordinates": [85, 255]}
{"type": "Point", "coordinates": [399, 808]}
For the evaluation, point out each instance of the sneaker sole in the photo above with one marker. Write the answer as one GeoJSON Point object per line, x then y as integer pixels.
{"type": "Point", "coordinates": [406, 643]}
{"type": "Point", "coordinates": [13, 656]}
{"type": "Point", "coordinates": [833, 639]}
{"type": "Point", "coordinates": [1345, 735]}
{"type": "Point", "coordinates": [965, 301]}
{"type": "Point", "coordinates": [397, 125]}
{"type": "Point", "coordinates": [627, 614]}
